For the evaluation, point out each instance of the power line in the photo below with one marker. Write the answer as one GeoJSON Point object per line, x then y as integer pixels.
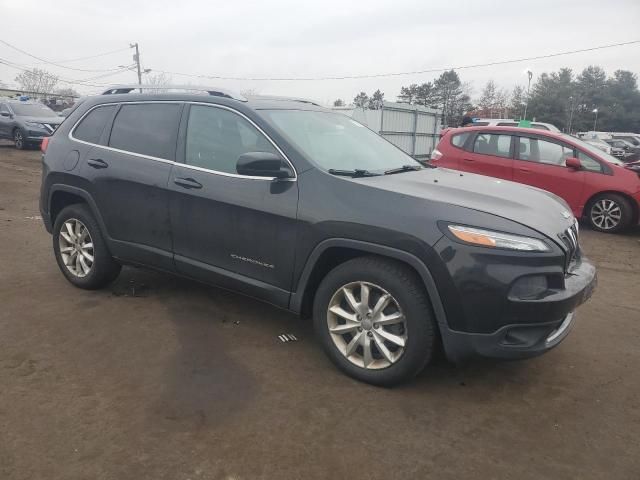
{"type": "Point", "coordinates": [60, 79]}
{"type": "Point", "coordinates": [397, 74]}
{"type": "Point", "coordinates": [92, 56]}
{"type": "Point", "coordinates": [54, 63]}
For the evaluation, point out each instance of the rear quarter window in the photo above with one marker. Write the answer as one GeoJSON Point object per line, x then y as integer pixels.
{"type": "Point", "coordinates": [92, 125]}
{"type": "Point", "coordinates": [459, 139]}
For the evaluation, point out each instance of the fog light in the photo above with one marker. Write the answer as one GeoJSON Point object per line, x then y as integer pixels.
{"type": "Point", "coordinates": [530, 287]}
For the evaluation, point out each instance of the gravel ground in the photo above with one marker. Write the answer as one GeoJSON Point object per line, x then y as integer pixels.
{"type": "Point", "coordinates": [162, 378]}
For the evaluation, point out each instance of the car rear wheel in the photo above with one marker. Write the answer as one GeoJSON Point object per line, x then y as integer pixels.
{"type": "Point", "coordinates": [374, 320]}
{"type": "Point", "coordinates": [18, 139]}
{"type": "Point", "coordinates": [609, 213]}
{"type": "Point", "coordinates": [80, 249]}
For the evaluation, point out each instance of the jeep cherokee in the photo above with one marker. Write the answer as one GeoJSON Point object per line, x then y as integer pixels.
{"type": "Point", "coordinates": [304, 208]}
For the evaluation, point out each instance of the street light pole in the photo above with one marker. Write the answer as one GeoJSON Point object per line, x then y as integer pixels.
{"type": "Point", "coordinates": [526, 105]}
{"type": "Point", "coordinates": [595, 121]}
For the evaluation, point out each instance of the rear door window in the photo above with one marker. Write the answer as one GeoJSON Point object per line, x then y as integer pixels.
{"type": "Point", "coordinates": [493, 144]}
{"type": "Point", "coordinates": [542, 151]}
{"type": "Point", "coordinates": [92, 125]}
{"type": "Point", "coordinates": [147, 128]}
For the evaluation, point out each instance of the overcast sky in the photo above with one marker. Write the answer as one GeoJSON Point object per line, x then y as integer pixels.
{"type": "Point", "coordinates": [297, 38]}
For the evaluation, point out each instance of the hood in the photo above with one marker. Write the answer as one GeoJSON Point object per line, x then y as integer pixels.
{"type": "Point", "coordinates": [535, 208]}
{"type": "Point", "coordinates": [49, 120]}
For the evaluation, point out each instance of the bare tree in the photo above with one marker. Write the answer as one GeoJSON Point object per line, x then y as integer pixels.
{"type": "Point", "coordinates": [249, 92]}
{"type": "Point", "coordinates": [338, 103]}
{"type": "Point", "coordinates": [501, 105]}
{"type": "Point", "coordinates": [38, 82]}
{"type": "Point", "coordinates": [487, 100]}
{"type": "Point", "coordinates": [158, 80]}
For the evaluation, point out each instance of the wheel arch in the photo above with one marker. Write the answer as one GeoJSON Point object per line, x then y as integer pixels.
{"type": "Point", "coordinates": [330, 253]}
{"type": "Point", "coordinates": [61, 196]}
{"type": "Point", "coordinates": [634, 205]}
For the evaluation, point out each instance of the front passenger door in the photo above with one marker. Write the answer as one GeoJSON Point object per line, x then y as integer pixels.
{"type": "Point", "coordinates": [541, 163]}
{"type": "Point", "coordinates": [228, 229]}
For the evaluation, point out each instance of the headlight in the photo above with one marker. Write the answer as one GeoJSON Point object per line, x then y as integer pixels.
{"type": "Point", "coordinates": [35, 124]}
{"type": "Point", "coordinates": [489, 238]}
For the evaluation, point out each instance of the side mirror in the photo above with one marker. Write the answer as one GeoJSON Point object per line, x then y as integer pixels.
{"type": "Point", "coordinates": [263, 164]}
{"type": "Point", "coordinates": [573, 163]}
{"type": "Point", "coordinates": [5, 114]}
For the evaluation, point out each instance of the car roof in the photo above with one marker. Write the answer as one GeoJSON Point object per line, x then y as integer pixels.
{"type": "Point", "coordinates": [256, 102]}
{"type": "Point", "coordinates": [495, 128]}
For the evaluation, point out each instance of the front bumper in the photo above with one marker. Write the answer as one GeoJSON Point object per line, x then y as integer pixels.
{"type": "Point", "coordinates": [524, 340]}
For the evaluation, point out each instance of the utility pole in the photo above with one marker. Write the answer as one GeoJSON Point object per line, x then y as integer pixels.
{"type": "Point", "coordinates": [570, 114]}
{"type": "Point", "coordinates": [595, 121]}
{"type": "Point", "coordinates": [136, 58]}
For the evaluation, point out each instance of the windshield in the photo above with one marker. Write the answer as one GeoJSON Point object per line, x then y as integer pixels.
{"type": "Point", "coordinates": [32, 110]}
{"type": "Point", "coordinates": [594, 150]}
{"type": "Point", "coordinates": [335, 141]}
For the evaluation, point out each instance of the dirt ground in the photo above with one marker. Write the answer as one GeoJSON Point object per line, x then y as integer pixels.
{"type": "Point", "coordinates": [161, 378]}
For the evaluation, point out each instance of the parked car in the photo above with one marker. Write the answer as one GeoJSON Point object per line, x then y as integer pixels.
{"type": "Point", "coordinates": [604, 146]}
{"type": "Point", "coordinates": [629, 151]}
{"type": "Point", "coordinates": [596, 186]}
{"type": "Point", "coordinates": [26, 122]}
{"type": "Point", "coordinates": [632, 138]}
{"type": "Point", "coordinates": [307, 209]}
{"type": "Point", "coordinates": [510, 122]}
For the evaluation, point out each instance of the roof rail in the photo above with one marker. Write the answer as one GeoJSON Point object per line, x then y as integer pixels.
{"type": "Point", "coordinates": [216, 92]}
{"type": "Point", "coordinates": [290, 99]}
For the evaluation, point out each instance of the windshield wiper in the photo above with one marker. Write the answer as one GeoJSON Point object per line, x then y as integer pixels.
{"type": "Point", "coordinates": [353, 173]}
{"type": "Point", "coordinates": [404, 168]}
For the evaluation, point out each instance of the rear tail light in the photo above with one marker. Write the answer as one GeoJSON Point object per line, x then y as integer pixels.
{"type": "Point", "coordinates": [436, 155]}
{"type": "Point", "coordinates": [44, 144]}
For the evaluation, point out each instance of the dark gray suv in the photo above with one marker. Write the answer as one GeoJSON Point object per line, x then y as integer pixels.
{"type": "Point", "coordinates": [304, 208]}
{"type": "Point", "coordinates": [26, 122]}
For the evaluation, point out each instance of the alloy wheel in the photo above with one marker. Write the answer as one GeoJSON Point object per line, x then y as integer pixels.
{"type": "Point", "coordinates": [367, 325]}
{"type": "Point", "coordinates": [606, 214]}
{"type": "Point", "coordinates": [18, 139]}
{"type": "Point", "coordinates": [76, 247]}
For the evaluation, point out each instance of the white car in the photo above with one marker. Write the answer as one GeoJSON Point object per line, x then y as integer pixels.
{"type": "Point", "coordinates": [510, 122]}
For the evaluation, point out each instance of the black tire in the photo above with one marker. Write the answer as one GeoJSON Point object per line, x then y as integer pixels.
{"type": "Point", "coordinates": [18, 139]}
{"type": "Point", "coordinates": [407, 289]}
{"type": "Point", "coordinates": [104, 268]}
{"type": "Point", "coordinates": [599, 223]}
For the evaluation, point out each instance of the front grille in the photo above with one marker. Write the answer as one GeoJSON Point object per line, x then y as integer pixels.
{"type": "Point", "coordinates": [571, 241]}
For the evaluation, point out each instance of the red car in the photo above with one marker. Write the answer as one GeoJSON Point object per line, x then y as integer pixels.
{"type": "Point", "coordinates": [596, 185]}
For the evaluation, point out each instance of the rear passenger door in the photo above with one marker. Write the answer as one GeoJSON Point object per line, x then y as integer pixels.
{"type": "Point", "coordinates": [128, 172]}
{"type": "Point", "coordinates": [540, 162]}
{"type": "Point", "coordinates": [232, 230]}
{"type": "Point", "coordinates": [491, 154]}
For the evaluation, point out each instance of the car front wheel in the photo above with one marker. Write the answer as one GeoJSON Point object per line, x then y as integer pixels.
{"type": "Point", "coordinates": [609, 213]}
{"type": "Point", "coordinates": [374, 320]}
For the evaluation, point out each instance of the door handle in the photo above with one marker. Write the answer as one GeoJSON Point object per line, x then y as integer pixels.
{"type": "Point", "coordinates": [524, 170]}
{"type": "Point", "coordinates": [187, 182]}
{"type": "Point", "coordinates": [97, 163]}
{"type": "Point", "coordinates": [468, 159]}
